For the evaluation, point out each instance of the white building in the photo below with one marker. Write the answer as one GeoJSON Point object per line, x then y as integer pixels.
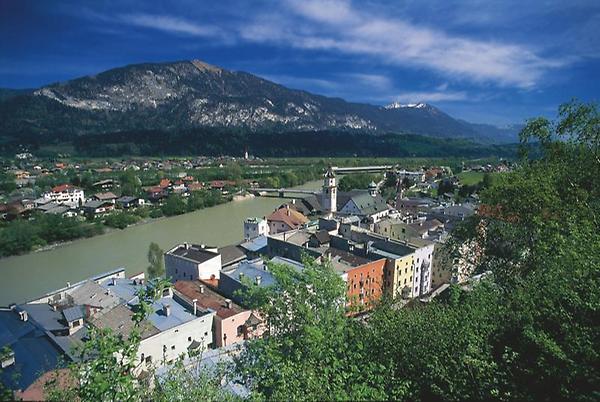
{"type": "Point", "coordinates": [66, 194]}
{"type": "Point", "coordinates": [192, 262]}
{"type": "Point", "coordinates": [254, 227]}
{"type": "Point", "coordinates": [416, 176]}
{"type": "Point", "coordinates": [173, 328]}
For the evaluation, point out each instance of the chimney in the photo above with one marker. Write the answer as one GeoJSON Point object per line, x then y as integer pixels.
{"type": "Point", "coordinates": [186, 245]}
{"type": "Point", "coordinates": [68, 284]}
{"type": "Point", "coordinates": [23, 315]}
{"type": "Point", "coordinates": [202, 289]}
{"type": "Point", "coordinates": [228, 303]}
{"type": "Point", "coordinates": [241, 276]}
{"type": "Point", "coordinates": [113, 281]}
{"type": "Point", "coordinates": [258, 279]}
{"type": "Point", "coordinates": [195, 306]}
{"type": "Point", "coordinates": [167, 309]}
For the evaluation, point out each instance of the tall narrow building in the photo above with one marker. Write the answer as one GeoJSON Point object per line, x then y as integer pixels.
{"type": "Point", "coordinates": [329, 195]}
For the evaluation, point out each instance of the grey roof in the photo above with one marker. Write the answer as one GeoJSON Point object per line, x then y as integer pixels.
{"type": "Point", "coordinates": [126, 199]}
{"type": "Point", "coordinates": [73, 313]}
{"type": "Point", "coordinates": [120, 321]}
{"type": "Point", "coordinates": [366, 203]}
{"type": "Point", "coordinates": [179, 314]}
{"type": "Point", "coordinates": [195, 253]}
{"type": "Point", "coordinates": [92, 294]}
{"type": "Point", "coordinates": [250, 270]}
{"type": "Point", "coordinates": [256, 244]}
{"type": "Point", "coordinates": [322, 236]}
{"type": "Point", "coordinates": [121, 287]}
{"type": "Point", "coordinates": [231, 254]}
{"type": "Point", "coordinates": [61, 209]}
{"type": "Point", "coordinates": [95, 204]}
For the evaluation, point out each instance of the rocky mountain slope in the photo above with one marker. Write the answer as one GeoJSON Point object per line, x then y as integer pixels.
{"type": "Point", "coordinates": [188, 94]}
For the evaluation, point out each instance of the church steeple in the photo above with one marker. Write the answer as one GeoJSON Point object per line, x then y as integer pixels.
{"type": "Point", "coordinates": [329, 195]}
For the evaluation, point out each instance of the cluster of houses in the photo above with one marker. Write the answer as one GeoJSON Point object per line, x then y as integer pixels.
{"type": "Point", "coordinates": [376, 248]}
{"type": "Point", "coordinates": [69, 200]}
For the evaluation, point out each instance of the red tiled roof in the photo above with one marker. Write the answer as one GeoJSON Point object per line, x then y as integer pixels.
{"type": "Point", "coordinates": [288, 216]}
{"type": "Point", "coordinates": [63, 187]}
{"type": "Point", "coordinates": [164, 183]}
{"type": "Point", "coordinates": [208, 299]}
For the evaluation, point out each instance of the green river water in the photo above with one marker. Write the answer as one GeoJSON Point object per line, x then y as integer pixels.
{"type": "Point", "coordinates": [27, 276]}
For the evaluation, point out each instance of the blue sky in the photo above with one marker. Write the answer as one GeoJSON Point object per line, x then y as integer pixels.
{"type": "Point", "coordinates": [485, 61]}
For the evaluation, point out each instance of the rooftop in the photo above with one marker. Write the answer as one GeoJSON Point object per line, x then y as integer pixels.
{"type": "Point", "coordinates": [207, 298]}
{"type": "Point", "coordinates": [196, 253]}
{"type": "Point", "coordinates": [289, 216]}
{"type": "Point", "coordinates": [250, 269]}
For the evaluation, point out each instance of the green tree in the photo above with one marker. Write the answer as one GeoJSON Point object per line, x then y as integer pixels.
{"type": "Point", "coordinates": [312, 351]}
{"type": "Point", "coordinates": [130, 183]}
{"type": "Point", "coordinates": [156, 267]}
{"type": "Point", "coordinates": [175, 205]}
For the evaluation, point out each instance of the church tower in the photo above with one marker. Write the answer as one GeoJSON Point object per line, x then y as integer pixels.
{"type": "Point", "coordinates": [329, 195]}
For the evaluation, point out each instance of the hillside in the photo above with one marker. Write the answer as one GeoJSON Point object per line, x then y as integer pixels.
{"type": "Point", "coordinates": [191, 94]}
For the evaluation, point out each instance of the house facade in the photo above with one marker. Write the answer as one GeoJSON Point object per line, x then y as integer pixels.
{"type": "Point", "coordinates": [66, 194]}
{"type": "Point", "coordinates": [192, 262]}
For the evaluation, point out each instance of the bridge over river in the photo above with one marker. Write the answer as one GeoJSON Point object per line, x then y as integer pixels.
{"type": "Point", "coordinates": [282, 192]}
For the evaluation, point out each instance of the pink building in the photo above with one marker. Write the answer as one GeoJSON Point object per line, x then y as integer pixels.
{"type": "Point", "coordinates": [232, 323]}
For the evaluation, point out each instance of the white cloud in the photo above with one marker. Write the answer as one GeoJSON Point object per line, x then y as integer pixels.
{"type": "Point", "coordinates": [170, 24]}
{"type": "Point", "coordinates": [337, 25]}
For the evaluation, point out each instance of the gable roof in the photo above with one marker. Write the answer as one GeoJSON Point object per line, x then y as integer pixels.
{"type": "Point", "coordinates": [231, 254]}
{"type": "Point", "coordinates": [105, 196]}
{"type": "Point", "coordinates": [290, 217]}
{"type": "Point", "coordinates": [366, 203]}
{"type": "Point", "coordinates": [63, 187]}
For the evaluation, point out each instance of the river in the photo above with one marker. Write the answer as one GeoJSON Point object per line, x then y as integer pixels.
{"type": "Point", "coordinates": [27, 276]}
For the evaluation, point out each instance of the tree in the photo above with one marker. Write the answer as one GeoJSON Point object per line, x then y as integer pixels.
{"type": "Point", "coordinates": [130, 183]}
{"type": "Point", "coordinates": [156, 269]}
{"type": "Point", "coordinates": [174, 205]}
{"type": "Point", "coordinates": [312, 351]}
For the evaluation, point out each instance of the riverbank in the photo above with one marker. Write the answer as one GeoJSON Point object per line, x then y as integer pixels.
{"type": "Point", "coordinates": [27, 276]}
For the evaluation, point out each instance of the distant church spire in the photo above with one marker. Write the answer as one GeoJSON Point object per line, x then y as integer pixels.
{"type": "Point", "coordinates": [329, 194]}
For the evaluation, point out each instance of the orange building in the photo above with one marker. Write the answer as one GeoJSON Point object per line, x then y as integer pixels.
{"type": "Point", "coordinates": [363, 277]}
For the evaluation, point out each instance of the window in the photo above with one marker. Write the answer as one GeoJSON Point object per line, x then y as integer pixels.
{"type": "Point", "coordinates": [189, 338]}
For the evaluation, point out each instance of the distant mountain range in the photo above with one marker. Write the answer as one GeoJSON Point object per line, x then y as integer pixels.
{"type": "Point", "coordinates": [190, 94]}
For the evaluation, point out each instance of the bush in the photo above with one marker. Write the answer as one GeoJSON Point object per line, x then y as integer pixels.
{"type": "Point", "coordinates": [121, 220]}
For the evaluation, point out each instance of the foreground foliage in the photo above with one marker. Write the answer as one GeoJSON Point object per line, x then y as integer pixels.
{"type": "Point", "coordinates": [529, 332]}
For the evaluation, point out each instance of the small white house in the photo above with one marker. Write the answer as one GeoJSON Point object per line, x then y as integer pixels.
{"type": "Point", "coordinates": [254, 227]}
{"type": "Point", "coordinates": [192, 262]}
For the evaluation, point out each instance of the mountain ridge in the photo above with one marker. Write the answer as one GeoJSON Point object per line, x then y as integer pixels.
{"type": "Point", "coordinates": [191, 93]}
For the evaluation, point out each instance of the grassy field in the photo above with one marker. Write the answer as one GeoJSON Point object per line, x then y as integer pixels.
{"type": "Point", "coordinates": [470, 178]}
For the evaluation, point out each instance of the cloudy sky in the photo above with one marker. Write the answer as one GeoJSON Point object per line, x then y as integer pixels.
{"type": "Point", "coordinates": [485, 61]}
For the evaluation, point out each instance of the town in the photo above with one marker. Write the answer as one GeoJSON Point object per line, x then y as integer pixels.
{"type": "Point", "coordinates": [394, 246]}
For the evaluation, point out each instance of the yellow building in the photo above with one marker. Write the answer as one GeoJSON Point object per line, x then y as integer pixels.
{"type": "Point", "coordinates": [398, 277]}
